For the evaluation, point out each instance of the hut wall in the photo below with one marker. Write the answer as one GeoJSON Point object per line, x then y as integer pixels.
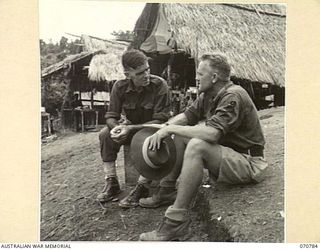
{"type": "Point", "coordinates": [279, 95]}
{"type": "Point", "coordinates": [258, 91]}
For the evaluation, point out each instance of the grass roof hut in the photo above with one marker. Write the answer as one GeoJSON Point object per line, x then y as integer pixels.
{"type": "Point", "coordinates": [94, 69]}
{"type": "Point", "coordinates": [252, 36]}
{"type": "Point", "coordinates": [105, 66]}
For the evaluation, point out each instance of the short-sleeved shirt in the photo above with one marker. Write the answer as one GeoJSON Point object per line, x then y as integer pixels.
{"type": "Point", "coordinates": [231, 111]}
{"type": "Point", "coordinates": [149, 103]}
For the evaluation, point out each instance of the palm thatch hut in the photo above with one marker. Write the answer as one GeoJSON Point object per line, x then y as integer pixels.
{"type": "Point", "coordinates": [90, 74]}
{"type": "Point", "coordinates": [252, 36]}
{"type": "Point", "coordinates": [104, 66]}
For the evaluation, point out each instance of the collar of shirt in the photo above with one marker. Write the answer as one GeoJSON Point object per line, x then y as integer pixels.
{"type": "Point", "coordinates": [131, 87]}
{"type": "Point", "coordinates": [210, 96]}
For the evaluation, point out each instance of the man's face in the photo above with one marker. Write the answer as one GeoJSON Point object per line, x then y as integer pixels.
{"type": "Point", "coordinates": [205, 77]}
{"type": "Point", "coordinates": [141, 75]}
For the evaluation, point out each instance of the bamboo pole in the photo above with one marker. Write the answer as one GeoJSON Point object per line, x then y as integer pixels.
{"type": "Point", "coordinates": [82, 121]}
{"type": "Point", "coordinates": [196, 62]}
{"type": "Point", "coordinates": [97, 118]}
{"type": "Point", "coordinates": [254, 10]}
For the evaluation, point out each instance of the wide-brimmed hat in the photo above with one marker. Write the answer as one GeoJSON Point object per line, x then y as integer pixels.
{"type": "Point", "coordinates": [152, 164]}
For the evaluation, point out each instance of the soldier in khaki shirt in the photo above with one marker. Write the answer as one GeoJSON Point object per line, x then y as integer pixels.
{"type": "Point", "coordinates": [229, 143]}
{"type": "Point", "coordinates": [144, 98]}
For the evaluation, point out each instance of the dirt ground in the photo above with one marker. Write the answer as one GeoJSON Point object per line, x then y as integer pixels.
{"type": "Point", "coordinates": [72, 176]}
{"type": "Point", "coordinates": [251, 213]}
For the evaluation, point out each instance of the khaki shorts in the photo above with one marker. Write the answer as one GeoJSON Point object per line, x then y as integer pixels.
{"type": "Point", "coordinates": [237, 168]}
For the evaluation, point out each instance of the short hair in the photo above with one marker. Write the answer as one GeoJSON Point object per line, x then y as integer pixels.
{"type": "Point", "coordinates": [219, 62]}
{"type": "Point", "coordinates": [133, 59]}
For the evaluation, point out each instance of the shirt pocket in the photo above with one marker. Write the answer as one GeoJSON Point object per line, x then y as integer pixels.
{"type": "Point", "coordinates": [147, 106]}
{"type": "Point", "coordinates": [129, 106]}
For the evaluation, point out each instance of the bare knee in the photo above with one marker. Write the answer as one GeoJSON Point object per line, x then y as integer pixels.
{"type": "Point", "coordinates": [195, 146]}
{"type": "Point", "coordinates": [198, 147]}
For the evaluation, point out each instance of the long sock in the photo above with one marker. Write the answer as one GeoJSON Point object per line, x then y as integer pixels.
{"type": "Point", "coordinates": [144, 181]}
{"type": "Point", "coordinates": [109, 169]}
{"type": "Point", "coordinates": [177, 214]}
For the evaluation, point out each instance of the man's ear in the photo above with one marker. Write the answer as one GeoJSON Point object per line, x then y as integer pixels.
{"type": "Point", "coordinates": [126, 74]}
{"type": "Point", "coordinates": [214, 77]}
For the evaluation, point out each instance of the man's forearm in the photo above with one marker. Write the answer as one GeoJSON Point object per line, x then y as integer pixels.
{"type": "Point", "coordinates": [179, 119]}
{"type": "Point", "coordinates": [202, 132]}
{"type": "Point", "coordinates": [137, 127]}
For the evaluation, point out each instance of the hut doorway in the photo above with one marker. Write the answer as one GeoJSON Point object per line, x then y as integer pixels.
{"type": "Point", "coordinates": [178, 68]}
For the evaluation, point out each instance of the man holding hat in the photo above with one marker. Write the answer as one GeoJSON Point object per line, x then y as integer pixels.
{"type": "Point", "coordinates": [144, 99]}
{"type": "Point", "coordinates": [229, 143]}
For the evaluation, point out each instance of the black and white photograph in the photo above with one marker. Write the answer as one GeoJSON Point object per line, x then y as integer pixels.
{"type": "Point", "coordinates": [162, 121]}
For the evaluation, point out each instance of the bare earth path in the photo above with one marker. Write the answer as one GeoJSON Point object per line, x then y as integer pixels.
{"type": "Point", "coordinates": [71, 177]}
{"type": "Point", "coordinates": [252, 213]}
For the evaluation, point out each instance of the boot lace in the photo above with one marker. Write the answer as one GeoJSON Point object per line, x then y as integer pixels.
{"type": "Point", "coordinates": [135, 193]}
{"type": "Point", "coordinates": [162, 223]}
{"type": "Point", "coordinates": [107, 185]}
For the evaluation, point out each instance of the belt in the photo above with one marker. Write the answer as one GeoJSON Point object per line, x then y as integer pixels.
{"type": "Point", "coordinates": [255, 150]}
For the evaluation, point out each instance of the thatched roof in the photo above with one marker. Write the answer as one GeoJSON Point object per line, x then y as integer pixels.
{"type": "Point", "coordinates": [65, 63]}
{"type": "Point", "coordinates": [107, 65]}
{"type": "Point", "coordinates": [251, 35]}
{"type": "Point", "coordinates": [92, 43]}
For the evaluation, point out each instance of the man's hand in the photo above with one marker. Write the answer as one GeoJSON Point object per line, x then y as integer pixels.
{"type": "Point", "coordinates": [155, 139]}
{"type": "Point", "coordinates": [120, 133]}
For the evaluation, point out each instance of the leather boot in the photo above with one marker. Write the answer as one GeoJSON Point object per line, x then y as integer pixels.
{"type": "Point", "coordinates": [164, 196]}
{"type": "Point", "coordinates": [110, 190]}
{"type": "Point", "coordinates": [169, 230]}
{"type": "Point", "coordinates": [132, 200]}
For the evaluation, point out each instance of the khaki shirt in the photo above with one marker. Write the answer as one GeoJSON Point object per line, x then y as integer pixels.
{"type": "Point", "coordinates": [150, 103]}
{"type": "Point", "coordinates": [233, 113]}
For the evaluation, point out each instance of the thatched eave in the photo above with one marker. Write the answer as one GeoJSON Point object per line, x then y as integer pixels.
{"type": "Point", "coordinates": [92, 43]}
{"type": "Point", "coordinates": [106, 67]}
{"type": "Point", "coordinates": [65, 63]}
{"type": "Point", "coordinates": [106, 56]}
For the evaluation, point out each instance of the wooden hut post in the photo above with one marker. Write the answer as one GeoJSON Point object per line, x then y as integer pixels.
{"type": "Point", "coordinates": [169, 74]}
{"type": "Point", "coordinates": [66, 104]}
{"type": "Point", "coordinates": [91, 99]}
{"type": "Point", "coordinates": [169, 68]}
{"type": "Point", "coordinates": [196, 61]}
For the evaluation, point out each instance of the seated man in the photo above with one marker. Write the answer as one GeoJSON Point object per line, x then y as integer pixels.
{"type": "Point", "coordinates": [229, 144]}
{"type": "Point", "coordinates": [144, 98]}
